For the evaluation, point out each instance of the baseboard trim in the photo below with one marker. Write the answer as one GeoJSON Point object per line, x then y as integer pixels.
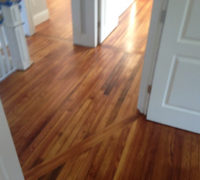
{"type": "Point", "coordinates": [41, 17]}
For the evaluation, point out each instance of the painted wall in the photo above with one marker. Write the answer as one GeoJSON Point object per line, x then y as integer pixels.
{"type": "Point", "coordinates": [123, 5]}
{"type": "Point", "coordinates": [40, 11]}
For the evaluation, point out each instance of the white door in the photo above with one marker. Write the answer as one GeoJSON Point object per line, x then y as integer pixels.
{"type": "Point", "coordinates": [108, 17]}
{"type": "Point", "coordinates": [9, 165]}
{"type": "Point", "coordinates": [85, 22]}
{"type": "Point", "coordinates": [175, 98]}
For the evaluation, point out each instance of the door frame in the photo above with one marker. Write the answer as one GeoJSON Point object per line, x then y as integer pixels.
{"type": "Point", "coordinates": [154, 37]}
{"type": "Point", "coordinates": [29, 16]}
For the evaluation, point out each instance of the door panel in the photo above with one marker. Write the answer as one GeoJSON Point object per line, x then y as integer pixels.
{"type": "Point", "coordinates": [178, 95]}
{"type": "Point", "coordinates": [190, 20]}
{"type": "Point", "coordinates": [175, 97]}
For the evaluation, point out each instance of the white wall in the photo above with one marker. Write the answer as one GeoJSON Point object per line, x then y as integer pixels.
{"type": "Point", "coordinates": [40, 11]}
{"type": "Point", "coordinates": [123, 5]}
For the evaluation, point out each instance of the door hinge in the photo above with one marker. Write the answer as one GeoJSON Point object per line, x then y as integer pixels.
{"type": "Point", "coordinates": [99, 24]}
{"type": "Point", "coordinates": [163, 16]}
{"type": "Point", "coordinates": [149, 89]}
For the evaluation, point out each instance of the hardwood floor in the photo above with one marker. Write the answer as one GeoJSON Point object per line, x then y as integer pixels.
{"type": "Point", "coordinates": [73, 114]}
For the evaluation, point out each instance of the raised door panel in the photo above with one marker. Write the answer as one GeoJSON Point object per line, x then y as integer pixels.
{"type": "Point", "coordinates": [190, 28]}
{"type": "Point", "coordinates": [182, 91]}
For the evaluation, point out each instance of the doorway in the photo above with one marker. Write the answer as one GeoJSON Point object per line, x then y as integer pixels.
{"type": "Point", "coordinates": [59, 24]}
{"type": "Point", "coordinates": [73, 94]}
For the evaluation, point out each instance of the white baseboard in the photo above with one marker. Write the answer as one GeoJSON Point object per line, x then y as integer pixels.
{"type": "Point", "coordinates": [41, 17]}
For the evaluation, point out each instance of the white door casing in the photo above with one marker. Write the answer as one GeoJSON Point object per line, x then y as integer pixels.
{"type": "Point", "coordinates": [9, 164]}
{"type": "Point", "coordinates": [154, 38]}
{"type": "Point", "coordinates": [27, 17]}
{"type": "Point", "coordinates": [108, 17]}
{"type": "Point", "coordinates": [123, 5]}
{"type": "Point", "coordinates": [85, 22]}
{"type": "Point", "coordinates": [175, 97]}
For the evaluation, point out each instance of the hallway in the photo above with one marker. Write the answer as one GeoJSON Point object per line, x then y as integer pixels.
{"type": "Point", "coordinates": [73, 114]}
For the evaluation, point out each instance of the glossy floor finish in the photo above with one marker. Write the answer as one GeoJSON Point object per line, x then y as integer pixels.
{"type": "Point", "coordinates": [73, 114]}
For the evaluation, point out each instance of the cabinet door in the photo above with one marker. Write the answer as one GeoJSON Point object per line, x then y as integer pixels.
{"type": "Point", "coordinates": [124, 5]}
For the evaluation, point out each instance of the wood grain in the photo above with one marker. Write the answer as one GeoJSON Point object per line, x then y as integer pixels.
{"type": "Point", "coordinates": [73, 114]}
